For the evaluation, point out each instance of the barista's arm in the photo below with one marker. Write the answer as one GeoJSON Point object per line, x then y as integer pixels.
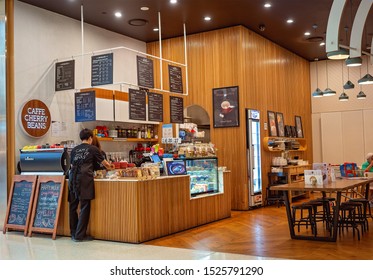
{"type": "Point", "coordinates": [107, 165]}
{"type": "Point", "coordinates": [369, 166]}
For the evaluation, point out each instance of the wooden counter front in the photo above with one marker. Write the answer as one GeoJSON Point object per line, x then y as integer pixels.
{"type": "Point", "coordinates": [136, 211]}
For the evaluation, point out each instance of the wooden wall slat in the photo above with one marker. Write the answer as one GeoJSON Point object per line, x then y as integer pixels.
{"type": "Point", "coordinates": [269, 78]}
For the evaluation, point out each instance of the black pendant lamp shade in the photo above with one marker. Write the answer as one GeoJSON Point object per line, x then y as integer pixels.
{"type": "Point", "coordinates": [348, 85]}
{"type": "Point", "coordinates": [343, 97]}
{"type": "Point", "coordinates": [361, 95]}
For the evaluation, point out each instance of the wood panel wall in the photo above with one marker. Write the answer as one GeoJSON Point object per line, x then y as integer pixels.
{"type": "Point", "coordinates": [269, 78]}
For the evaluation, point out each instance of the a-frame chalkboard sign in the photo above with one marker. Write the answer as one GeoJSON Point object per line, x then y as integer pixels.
{"type": "Point", "coordinates": [20, 203]}
{"type": "Point", "coordinates": [46, 208]}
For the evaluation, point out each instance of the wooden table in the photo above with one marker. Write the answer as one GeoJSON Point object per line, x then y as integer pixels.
{"type": "Point", "coordinates": [339, 186]}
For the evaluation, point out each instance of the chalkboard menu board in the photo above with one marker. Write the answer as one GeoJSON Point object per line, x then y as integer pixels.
{"type": "Point", "coordinates": [137, 104]}
{"type": "Point", "coordinates": [145, 76]}
{"type": "Point", "coordinates": [85, 106]}
{"type": "Point", "coordinates": [47, 204]}
{"type": "Point", "coordinates": [175, 78]}
{"type": "Point", "coordinates": [102, 69]}
{"type": "Point", "coordinates": [65, 75]}
{"type": "Point", "coordinates": [20, 203]}
{"type": "Point", "coordinates": [176, 109]}
{"type": "Point", "coordinates": [155, 107]}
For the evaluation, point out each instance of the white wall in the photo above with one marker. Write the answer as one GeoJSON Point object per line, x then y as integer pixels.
{"type": "Point", "coordinates": [41, 39]}
{"type": "Point", "coordinates": [342, 131]}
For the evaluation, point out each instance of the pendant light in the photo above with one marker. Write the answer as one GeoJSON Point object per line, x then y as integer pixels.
{"type": "Point", "coordinates": [343, 96]}
{"type": "Point", "coordinates": [317, 92]}
{"type": "Point", "coordinates": [361, 94]}
{"type": "Point", "coordinates": [328, 91]}
{"type": "Point", "coordinates": [367, 79]}
{"type": "Point", "coordinates": [353, 61]}
{"type": "Point", "coordinates": [348, 84]}
{"type": "Point", "coordinates": [339, 54]}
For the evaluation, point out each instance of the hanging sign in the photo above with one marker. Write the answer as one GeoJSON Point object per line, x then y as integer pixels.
{"type": "Point", "coordinates": [35, 118]}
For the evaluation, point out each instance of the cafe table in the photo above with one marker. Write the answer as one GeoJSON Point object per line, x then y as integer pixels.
{"type": "Point", "coordinates": [338, 187]}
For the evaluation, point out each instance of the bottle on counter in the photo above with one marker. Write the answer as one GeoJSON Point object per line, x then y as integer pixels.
{"type": "Point", "coordinates": [143, 131]}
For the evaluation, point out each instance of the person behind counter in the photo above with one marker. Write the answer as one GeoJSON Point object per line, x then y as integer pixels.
{"type": "Point", "coordinates": [81, 184]}
{"type": "Point", "coordinates": [368, 165]}
{"type": "Point", "coordinates": [96, 142]}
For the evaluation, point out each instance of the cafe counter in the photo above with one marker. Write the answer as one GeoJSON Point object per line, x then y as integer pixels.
{"type": "Point", "coordinates": [135, 211]}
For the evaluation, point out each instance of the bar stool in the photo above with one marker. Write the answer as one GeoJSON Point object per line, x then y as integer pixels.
{"type": "Point", "coordinates": [366, 209]}
{"type": "Point", "coordinates": [359, 214]}
{"type": "Point", "coordinates": [347, 218]}
{"type": "Point", "coordinates": [326, 213]}
{"type": "Point", "coordinates": [303, 220]}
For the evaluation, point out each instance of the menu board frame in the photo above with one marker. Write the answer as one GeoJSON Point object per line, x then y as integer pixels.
{"type": "Point", "coordinates": [91, 106]}
{"type": "Point", "coordinates": [17, 179]}
{"type": "Point", "coordinates": [225, 105]}
{"type": "Point", "coordinates": [174, 116]}
{"type": "Point", "coordinates": [59, 181]}
{"type": "Point", "coordinates": [97, 78]}
{"type": "Point", "coordinates": [145, 66]}
{"type": "Point", "coordinates": [65, 82]}
{"type": "Point", "coordinates": [137, 105]}
{"type": "Point", "coordinates": [175, 78]}
{"type": "Point", "coordinates": [151, 115]}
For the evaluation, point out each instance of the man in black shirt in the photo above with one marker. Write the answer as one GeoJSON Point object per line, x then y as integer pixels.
{"type": "Point", "coordinates": [84, 157]}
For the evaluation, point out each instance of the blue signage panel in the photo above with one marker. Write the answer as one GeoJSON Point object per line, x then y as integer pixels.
{"type": "Point", "coordinates": [85, 106]}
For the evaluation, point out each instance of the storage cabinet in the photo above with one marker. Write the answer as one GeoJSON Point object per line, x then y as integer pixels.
{"type": "Point", "coordinates": [296, 174]}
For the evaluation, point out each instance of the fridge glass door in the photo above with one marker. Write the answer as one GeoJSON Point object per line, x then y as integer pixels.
{"type": "Point", "coordinates": [255, 154]}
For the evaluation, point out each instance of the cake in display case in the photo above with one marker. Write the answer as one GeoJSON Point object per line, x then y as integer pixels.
{"type": "Point", "coordinates": [204, 177]}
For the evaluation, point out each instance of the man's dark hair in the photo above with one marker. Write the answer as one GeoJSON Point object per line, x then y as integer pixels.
{"type": "Point", "coordinates": [85, 134]}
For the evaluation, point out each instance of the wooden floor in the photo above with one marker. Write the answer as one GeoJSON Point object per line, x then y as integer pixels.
{"type": "Point", "coordinates": [264, 232]}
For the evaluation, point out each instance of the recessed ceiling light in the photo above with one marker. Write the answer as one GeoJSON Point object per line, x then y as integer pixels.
{"type": "Point", "coordinates": [307, 33]}
{"type": "Point", "coordinates": [267, 5]}
{"type": "Point", "coordinates": [207, 18]}
{"type": "Point", "coordinates": [144, 8]}
{"type": "Point", "coordinates": [173, 1]}
{"type": "Point", "coordinates": [156, 29]}
{"type": "Point", "coordinates": [322, 44]}
{"type": "Point", "coordinates": [118, 14]}
{"type": "Point", "coordinates": [290, 20]}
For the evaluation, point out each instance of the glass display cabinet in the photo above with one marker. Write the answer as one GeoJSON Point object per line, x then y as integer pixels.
{"type": "Point", "coordinates": [204, 177]}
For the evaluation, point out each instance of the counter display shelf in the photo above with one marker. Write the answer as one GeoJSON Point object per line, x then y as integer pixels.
{"type": "Point", "coordinates": [135, 211]}
{"type": "Point", "coordinates": [203, 175]}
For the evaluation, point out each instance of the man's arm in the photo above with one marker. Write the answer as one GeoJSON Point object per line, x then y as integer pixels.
{"type": "Point", "coordinates": [107, 165]}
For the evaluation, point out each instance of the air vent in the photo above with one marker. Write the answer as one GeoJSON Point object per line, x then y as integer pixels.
{"type": "Point", "coordinates": [138, 22]}
{"type": "Point", "coordinates": [315, 39]}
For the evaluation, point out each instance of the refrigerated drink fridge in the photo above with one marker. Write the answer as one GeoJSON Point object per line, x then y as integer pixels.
{"type": "Point", "coordinates": [254, 157]}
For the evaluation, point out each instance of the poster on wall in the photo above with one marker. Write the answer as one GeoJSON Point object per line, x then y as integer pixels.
{"type": "Point", "coordinates": [85, 106]}
{"type": "Point", "coordinates": [102, 69]}
{"type": "Point", "coordinates": [65, 75]}
{"type": "Point", "coordinates": [175, 78]}
{"type": "Point", "coordinates": [145, 75]}
{"type": "Point", "coordinates": [137, 104]}
{"type": "Point", "coordinates": [155, 107]}
{"type": "Point", "coordinates": [225, 107]}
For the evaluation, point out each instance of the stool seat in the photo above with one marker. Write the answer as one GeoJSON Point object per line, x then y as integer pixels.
{"type": "Point", "coordinates": [303, 220]}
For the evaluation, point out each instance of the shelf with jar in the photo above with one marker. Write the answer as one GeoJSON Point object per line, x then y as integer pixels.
{"type": "Point", "coordinates": [281, 144]}
{"type": "Point", "coordinates": [126, 133]}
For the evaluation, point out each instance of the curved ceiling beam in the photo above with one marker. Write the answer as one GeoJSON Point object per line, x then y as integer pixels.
{"type": "Point", "coordinates": [332, 30]}
{"type": "Point", "coordinates": [358, 27]}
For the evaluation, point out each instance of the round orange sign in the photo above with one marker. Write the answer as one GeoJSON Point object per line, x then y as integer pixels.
{"type": "Point", "coordinates": [35, 118]}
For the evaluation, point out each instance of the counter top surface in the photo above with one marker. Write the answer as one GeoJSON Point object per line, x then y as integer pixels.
{"type": "Point", "coordinates": [134, 179]}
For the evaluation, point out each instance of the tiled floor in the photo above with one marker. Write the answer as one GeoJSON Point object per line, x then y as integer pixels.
{"type": "Point", "coordinates": [14, 246]}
